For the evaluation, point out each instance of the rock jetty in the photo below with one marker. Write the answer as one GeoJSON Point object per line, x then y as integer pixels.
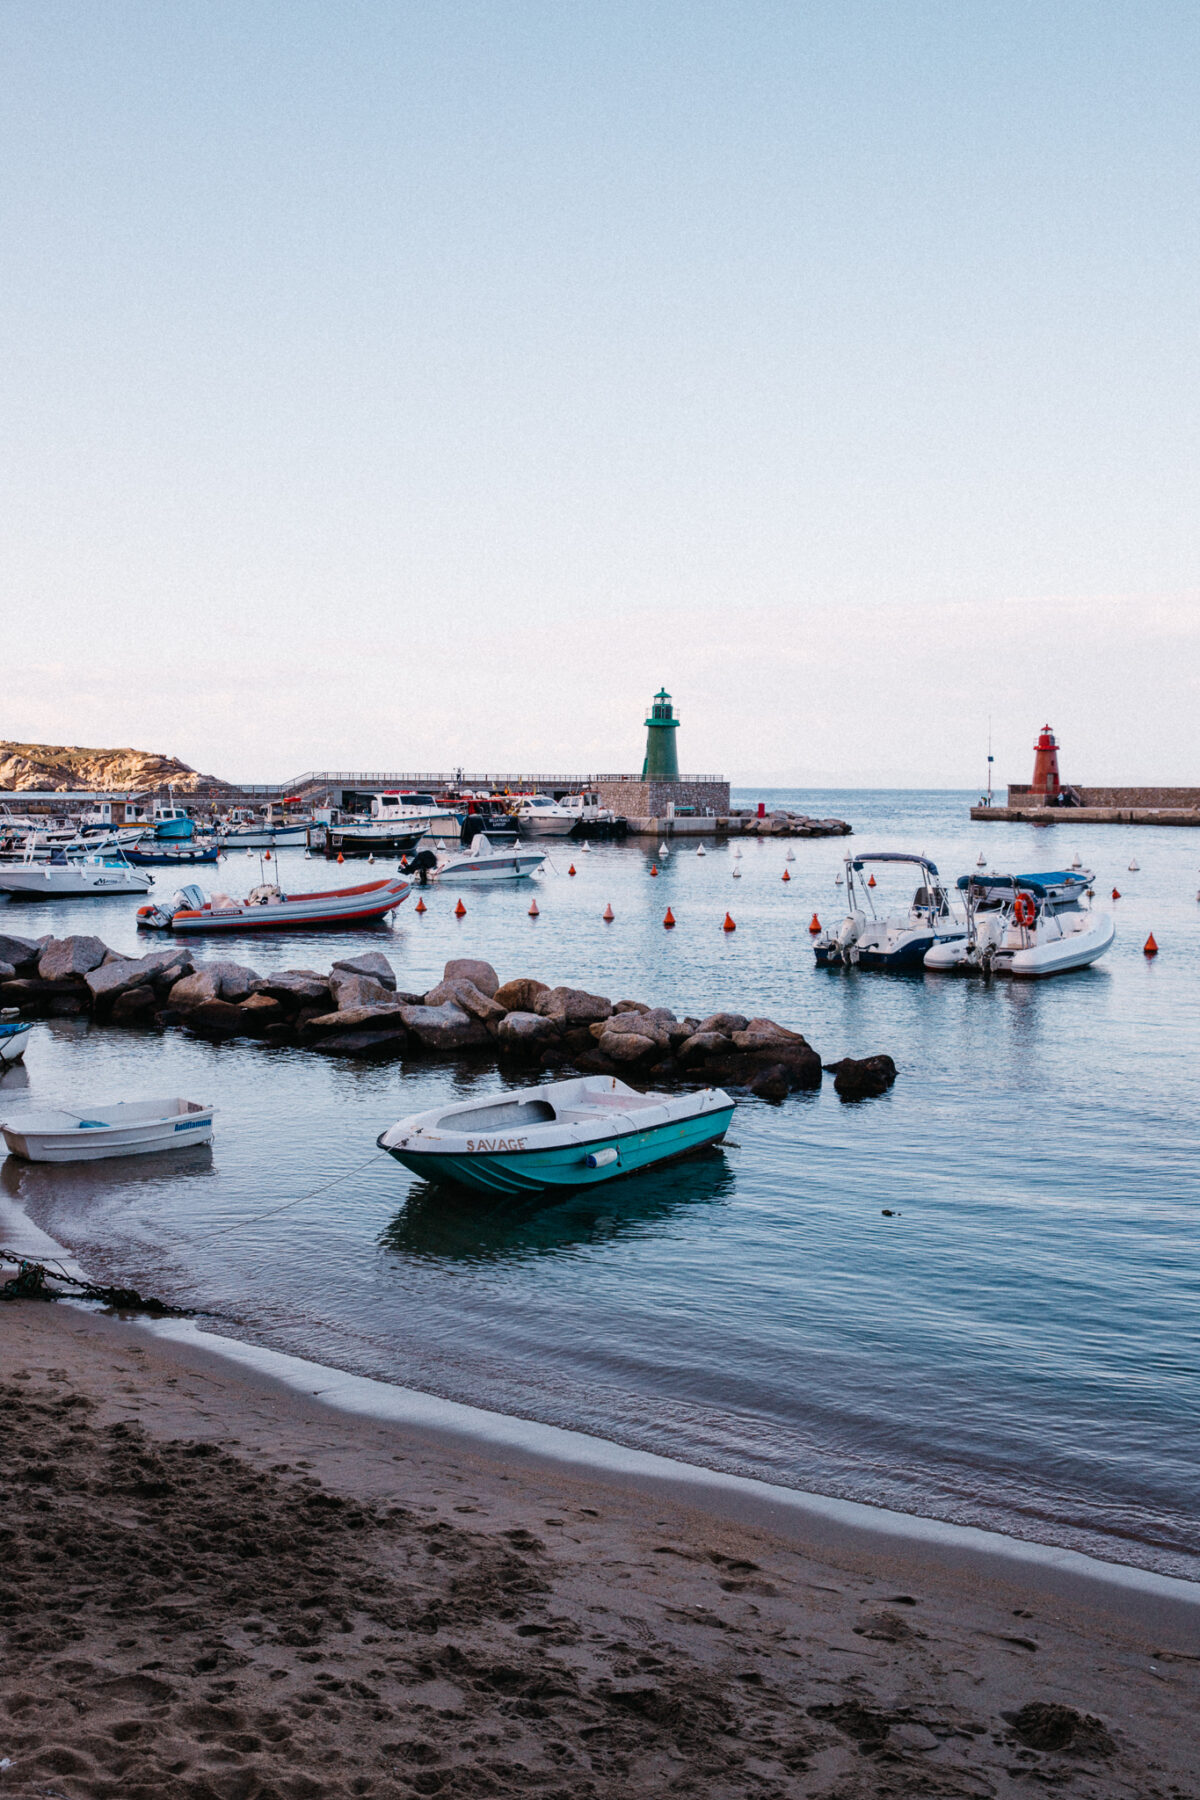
{"type": "Point", "coordinates": [358, 1010]}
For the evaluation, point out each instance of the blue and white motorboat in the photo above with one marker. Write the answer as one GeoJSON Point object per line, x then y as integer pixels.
{"type": "Point", "coordinates": [867, 939]}
{"type": "Point", "coordinates": [568, 1134]}
{"type": "Point", "coordinates": [65, 875]}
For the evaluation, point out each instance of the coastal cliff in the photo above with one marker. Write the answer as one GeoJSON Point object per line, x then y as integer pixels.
{"type": "Point", "coordinates": [68, 766]}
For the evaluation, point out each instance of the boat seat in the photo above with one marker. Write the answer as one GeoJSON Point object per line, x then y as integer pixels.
{"type": "Point", "coordinates": [501, 1117]}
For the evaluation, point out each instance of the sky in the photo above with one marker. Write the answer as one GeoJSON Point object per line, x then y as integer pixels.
{"type": "Point", "coordinates": [393, 386]}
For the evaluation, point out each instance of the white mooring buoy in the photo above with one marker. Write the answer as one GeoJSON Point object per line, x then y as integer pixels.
{"type": "Point", "coordinates": [1077, 861]}
{"type": "Point", "coordinates": [790, 857]}
{"type": "Point", "coordinates": [737, 855]}
{"type": "Point", "coordinates": [737, 873]}
{"type": "Point", "coordinates": [662, 850]}
{"type": "Point", "coordinates": [981, 861]}
{"type": "Point", "coordinates": [1134, 865]}
{"type": "Point", "coordinates": [700, 851]}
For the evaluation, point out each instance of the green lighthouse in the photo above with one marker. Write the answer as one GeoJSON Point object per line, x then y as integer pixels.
{"type": "Point", "coordinates": [662, 762]}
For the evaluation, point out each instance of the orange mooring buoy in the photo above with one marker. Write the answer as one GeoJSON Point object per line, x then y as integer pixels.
{"type": "Point", "coordinates": [786, 876]}
{"type": "Point", "coordinates": [815, 924]}
{"type": "Point", "coordinates": [1116, 893]}
{"type": "Point", "coordinates": [729, 924]}
{"type": "Point", "coordinates": [1150, 948]}
{"type": "Point", "coordinates": [654, 868]}
{"type": "Point", "coordinates": [460, 911]}
{"type": "Point", "coordinates": [608, 915]}
{"type": "Point", "coordinates": [267, 858]}
{"type": "Point", "coordinates": [421, 906]}
{"type": "Point", "coordinates": [571, 870]}
{"type": "Point", "coordinates": [870, 881]}
{"type": "Point", "coordinates": [669, 920]}
{"type": "Point", "coordinates": [341, 858]}
{"type": "Point", "coordinates": [533, 909]}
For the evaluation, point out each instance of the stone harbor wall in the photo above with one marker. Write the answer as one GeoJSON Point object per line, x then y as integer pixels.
{"type": "Point", "coordinates": [1186, 799]}
{"type": "Point", "coordinates": [653, 799]}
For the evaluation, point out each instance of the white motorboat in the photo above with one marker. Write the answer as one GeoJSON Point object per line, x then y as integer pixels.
{"type": "Point", "coordinates": [538, 815]}
{"type": "Point", "coordinates": [72, 876]}
{"type": "Point", "coordinates": [1028, 926]}
{"type": "Point", "coordinates": [265, 837]}
{"type": "Point", "coordinates": [869, 940]}
{"type": "Point", "coordinates": [566, 1134]}
{"type": "Point", "coordinates": [485, 861]}
{"type": "Point", "coordinates": [268, 908]}
{"type": "Point", "coordinates": [129, 1128]}
{"type": "Point", "coordinates": [14, 1037]}
{"type": "Point", "coordinates": [396, 824]}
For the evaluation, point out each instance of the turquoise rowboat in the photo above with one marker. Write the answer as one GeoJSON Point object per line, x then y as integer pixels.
{"type": "Point", "coordinates": [568, 1134]}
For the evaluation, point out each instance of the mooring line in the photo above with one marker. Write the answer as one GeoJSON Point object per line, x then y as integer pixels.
{"type": "Point", "coordinates": [271, 1211]}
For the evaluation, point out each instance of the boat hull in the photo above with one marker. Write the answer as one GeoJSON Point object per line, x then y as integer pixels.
{"type": "Point", "coordinates": [351, 906]}
{"type": "Point", "coordinates": [269, 837]}
{"type": "Point", "coordinates": [139, 1139]}
{"type": "Point", "coordinates": [12, 1045]}
{"type": "Point", "coordinates": [566, 1165]}
{"type": "Point", "coordinates": [500, 868]}
{"type": "Point", "coordinates": [44, 881]}
{"type": "Point", "coordinates": [363, 843]}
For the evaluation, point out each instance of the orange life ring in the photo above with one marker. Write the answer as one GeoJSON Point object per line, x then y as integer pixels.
{"type": "Point", "coordinates": [1024, 910]}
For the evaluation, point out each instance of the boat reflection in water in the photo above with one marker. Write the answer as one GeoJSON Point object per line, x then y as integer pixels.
{"type": "Point", "coordinates": [445, 1223]}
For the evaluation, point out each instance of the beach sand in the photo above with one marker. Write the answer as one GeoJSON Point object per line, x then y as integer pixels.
{"type": "Point", "coordinates": [213, 1586]}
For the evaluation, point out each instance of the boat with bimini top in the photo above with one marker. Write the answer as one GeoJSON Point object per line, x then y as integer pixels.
{"type": "Point", "coordinates": [867, 939]}
{"type": "Point", "coordinates": [566, 1134]}
{"type": "Point", "coordinates": [1028, 926]}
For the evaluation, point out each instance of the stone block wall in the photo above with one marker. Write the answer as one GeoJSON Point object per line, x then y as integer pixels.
{"type": "Point", "coordinates": [651, 799]}
{"type": "Point", "coordinates": [1184, 798]}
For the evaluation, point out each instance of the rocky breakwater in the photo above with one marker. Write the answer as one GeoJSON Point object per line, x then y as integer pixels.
{"type": "Point", "coordinates": [357, 1010]}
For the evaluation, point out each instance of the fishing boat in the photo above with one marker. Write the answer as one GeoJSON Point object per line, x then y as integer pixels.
{"type": "Point", "coordinates": [869, 940]}
{"type": "Point", "coordinates": [14, 1038]}
{"type": "Point", "coordinates": [568, 1134]}
{"type": "Point", "coordinates": [1027, 926]}
{"type": "Point", "coordinates": [72, 876]}
{"type": "Point", "coordinates": [128, 1128]}
{"type": "Point", "coordinates": [268, 908]}
{"type": "Point", "coordinates": [485, 861]}
{"type": "Point", "coordinates": [171, 821]}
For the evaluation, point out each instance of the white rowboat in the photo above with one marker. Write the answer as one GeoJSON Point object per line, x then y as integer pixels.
{"type": "Point", "coordinates": [129, 1128]}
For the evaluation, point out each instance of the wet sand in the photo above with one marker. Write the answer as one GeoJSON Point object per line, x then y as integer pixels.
{"type": "Point", "coordinates": [215, 1586]}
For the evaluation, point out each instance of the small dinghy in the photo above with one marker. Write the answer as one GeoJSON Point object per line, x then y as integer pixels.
{"type": "Point", "coordinates": [131, 1128]}
{"type": "Point", "coordinates": [568, 1134]}
{"type": "Point", "coordinates": [14, 1037]}
{"type": "Point", "coordinates": [268, 908]}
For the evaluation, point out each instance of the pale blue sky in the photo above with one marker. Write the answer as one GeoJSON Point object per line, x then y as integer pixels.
{"type": "Point", "coordinates": [393, 385]}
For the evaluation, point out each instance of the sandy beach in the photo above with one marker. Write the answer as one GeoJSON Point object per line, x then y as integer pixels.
{"type": "Point", "coordinates": [214, 1586]}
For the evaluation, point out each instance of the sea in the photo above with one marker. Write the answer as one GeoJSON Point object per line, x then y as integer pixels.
{"type": "Point", "coordinates": [975, 1298]}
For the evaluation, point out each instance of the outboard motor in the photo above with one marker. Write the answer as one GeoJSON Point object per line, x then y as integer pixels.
{"type": "Point", "coordinates": [419, 865]}
{"type": "Point", "coordinates": [849, 932]}
{"type": "Point", "coordinates": [188, 899]}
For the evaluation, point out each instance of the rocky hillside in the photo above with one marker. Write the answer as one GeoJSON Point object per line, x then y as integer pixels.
{"type": "Point", "coordinates": [60, 766]}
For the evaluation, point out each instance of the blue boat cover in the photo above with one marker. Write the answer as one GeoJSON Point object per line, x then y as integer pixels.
{"type": "Point", "coordinates": [1032, 884]}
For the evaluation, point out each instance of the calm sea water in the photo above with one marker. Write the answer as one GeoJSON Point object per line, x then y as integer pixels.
{"type": "Point", "coordinates": [1017, 1347]}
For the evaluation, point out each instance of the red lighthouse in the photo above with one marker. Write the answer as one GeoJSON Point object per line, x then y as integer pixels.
{"type": "Point", "coordinates": [1045, 767]}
